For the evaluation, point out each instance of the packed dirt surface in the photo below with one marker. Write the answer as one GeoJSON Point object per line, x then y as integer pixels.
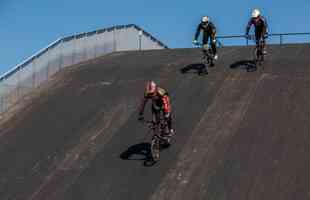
{"type": "Point", "coordinates": [240, 133]}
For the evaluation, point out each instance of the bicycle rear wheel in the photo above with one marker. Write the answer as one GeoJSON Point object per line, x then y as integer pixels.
{"type": "Point", "coordinates": [257, 55]}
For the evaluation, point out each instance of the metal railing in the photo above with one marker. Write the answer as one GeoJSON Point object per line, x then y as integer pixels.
{"type": "Point", "coordinates": [69, 51]}
{"type": "Point", "coordinates": [281, 37]}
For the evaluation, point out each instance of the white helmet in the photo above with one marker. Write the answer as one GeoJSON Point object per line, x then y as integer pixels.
{"type": "Point", "coordinates": [205, 19]}
{"type": "Point", "coordinates": [255, 13]}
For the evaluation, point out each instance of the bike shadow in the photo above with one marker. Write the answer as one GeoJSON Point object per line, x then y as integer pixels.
{"type": "Point", "coordinates": [141, 151]}
{"type": "Point", "coordinates": [193, 68]}
{"type": "Point", "coordinates": [248, 65]}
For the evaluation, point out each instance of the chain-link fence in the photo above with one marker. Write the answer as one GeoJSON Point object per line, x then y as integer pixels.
{"type": "Point", "coordinates": [69, 51]}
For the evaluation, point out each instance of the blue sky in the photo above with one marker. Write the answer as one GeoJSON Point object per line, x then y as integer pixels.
{"type": "Point", "coordinates": [29, 25]}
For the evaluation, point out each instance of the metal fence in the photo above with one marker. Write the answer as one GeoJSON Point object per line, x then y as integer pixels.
{"type": "Point", "coordinates": [278, 38]}
{"type": "Point", "coordinates": [74, 49]}
{"type": "Point", "coordinates": [68, 51]}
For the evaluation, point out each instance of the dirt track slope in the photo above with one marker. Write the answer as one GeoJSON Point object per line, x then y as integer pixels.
{"type": "Point", "coordinates": [240, 134]}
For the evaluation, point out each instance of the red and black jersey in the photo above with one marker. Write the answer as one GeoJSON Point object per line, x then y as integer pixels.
{"type": "Point", "coordinates": [160, 101]}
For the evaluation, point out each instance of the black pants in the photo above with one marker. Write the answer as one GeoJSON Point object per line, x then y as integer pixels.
{"type": "Point", "coordinates": [260, 35]}
{"type": "Point", "coordinates": [212, 43]}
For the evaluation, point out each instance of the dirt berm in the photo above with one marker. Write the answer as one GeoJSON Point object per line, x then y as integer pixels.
{"type": "Point", "coordinates": [241, 134]}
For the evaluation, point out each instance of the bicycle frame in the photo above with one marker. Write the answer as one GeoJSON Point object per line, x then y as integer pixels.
{"type": "Point", "coordinates": [258, 51]}
{"type": "Point", "coordinates": [207, 57]}
{"type": "Point", "coordinates": [157, 140]}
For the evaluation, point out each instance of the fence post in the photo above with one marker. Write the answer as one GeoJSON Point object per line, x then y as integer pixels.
{"type": "Point", "coordinates": [34, 73]}
{"type": "Point", "coordinates": [1, 105]}
{"type": "Point", "coordinates": [18, 86]}
{"type": "Point", "coordinates": [114, 39]}
{"type": "Point", "coordinates": [61, 57]}
{"type": "Point", "coordinates": [95, 46]}
{"type": "Point", "coordinates": [48, 64]}
{"type": "Point", "coordinates": [140, 40]}
{"type": "Point", "coordinates": [73, 50]}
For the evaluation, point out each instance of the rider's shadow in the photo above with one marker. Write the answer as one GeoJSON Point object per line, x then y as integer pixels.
{"type": "Point", "coordinates": [248, 65]}
{"type": "Point", "coordinates": [139, 151]}
{"type": "Point", "coordinates": [193, 68]}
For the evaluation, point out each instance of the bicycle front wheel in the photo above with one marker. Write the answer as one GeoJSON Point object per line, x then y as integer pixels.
{"type": "Point", "coordinates": [155, 145]}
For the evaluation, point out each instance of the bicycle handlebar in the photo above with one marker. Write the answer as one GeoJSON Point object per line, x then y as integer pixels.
{"type": "Point", "coordinates": [201, 45]}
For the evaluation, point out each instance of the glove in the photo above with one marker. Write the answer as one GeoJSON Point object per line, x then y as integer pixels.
{"type": "Point", "coordinates": [214, 40]}
{"type": "Point", "coordinates": [141, 117]}
{"type": "Point", "coordinates": [205, 46]}
{"type": "Point", "coordinates": [167, 115]}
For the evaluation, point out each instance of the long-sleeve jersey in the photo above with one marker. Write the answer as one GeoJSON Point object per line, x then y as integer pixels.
{"type": "Point", "coordinates": [208, 30]}
{"type": "Point", "coordinates": [160, 101]}
{"type": "Point", "coordinates": [259, 23]}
